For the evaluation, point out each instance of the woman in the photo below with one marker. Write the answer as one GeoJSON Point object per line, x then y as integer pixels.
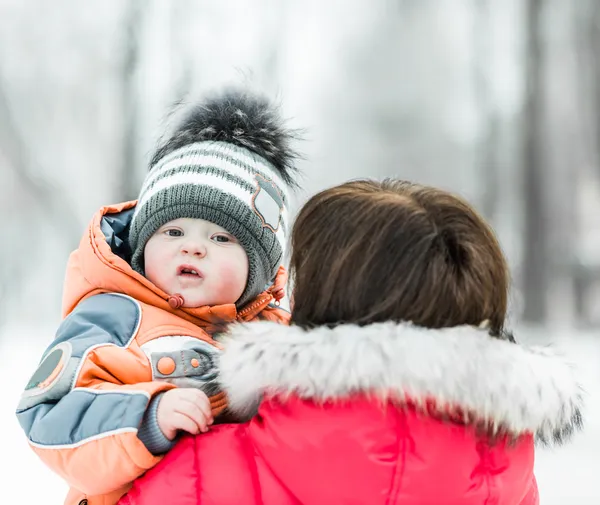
{"type": "Point", "coordinates": [396, 383]}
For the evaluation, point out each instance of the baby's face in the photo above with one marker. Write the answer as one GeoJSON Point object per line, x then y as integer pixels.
{"type": "Point", "coordinates": [197, 259]}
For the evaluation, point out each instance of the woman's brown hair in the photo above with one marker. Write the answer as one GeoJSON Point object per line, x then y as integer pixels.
{"type": "Point", "coordinates": [369, 251]}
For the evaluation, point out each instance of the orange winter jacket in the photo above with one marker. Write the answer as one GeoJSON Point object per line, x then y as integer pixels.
{"type": "Point", "coordinates": [121, 345]}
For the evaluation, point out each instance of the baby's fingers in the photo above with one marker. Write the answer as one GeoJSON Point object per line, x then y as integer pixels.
{"type": "Point", "coordinates": [197, 415]}
{"type": "Point", "coordinates": [183, 422]}
{"type": "Point", "coordinates": [200, 400]}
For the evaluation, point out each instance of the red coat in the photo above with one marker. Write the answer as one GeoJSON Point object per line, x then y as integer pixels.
{"type": "Point", "coordinates": [385, 414]}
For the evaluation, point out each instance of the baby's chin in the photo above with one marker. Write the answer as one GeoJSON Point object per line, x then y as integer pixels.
{"type": "Point", "coordinates": [191, 301]}
{"type": "Point", "coordinates": [196, 302]}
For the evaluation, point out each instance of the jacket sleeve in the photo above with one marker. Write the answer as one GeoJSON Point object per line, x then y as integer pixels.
{"type": "Point", "coordinates": [89, 410]}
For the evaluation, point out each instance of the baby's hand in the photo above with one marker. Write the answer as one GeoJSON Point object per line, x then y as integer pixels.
{"type": "Point", "coordinates": [185, 409]}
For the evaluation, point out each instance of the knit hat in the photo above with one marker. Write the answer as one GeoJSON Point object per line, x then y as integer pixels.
{"type": "Point", "coordinates": [228, 162]}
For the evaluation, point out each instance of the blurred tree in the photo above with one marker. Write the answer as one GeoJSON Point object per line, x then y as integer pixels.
{"type": "Point", "coordinates": [133, 19]}
{"type": "Point", "coordinates": [593, 54]}
{"type": "Point", "coordinates": [535, 241]}
{"type": "Point", "coordinates": [486, 161]}
{"type": "Point", "coordinates": [584, 266]}
{"type": "Point", "coordinates": [29, 204]}
{"type": "Point", "coordinates": [49, 203]}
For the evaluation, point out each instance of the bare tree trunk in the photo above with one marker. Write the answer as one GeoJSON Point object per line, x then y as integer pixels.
{"type": "Point", "coordinates": [485, 153]}
{"type": "Point", "coordinates": [38, 202]}
{"type": "Point", "coordinates": [129, 182]}
{"type": "Point", "coordinates": [52, 203]}
{"type": "Point", "coordinates": [593, 52]}
{"type": "Point", "coordinates": [587, 31]}
{"type": "Point", "coordinates": [535, 240]}
{"type": "Point", "coordinates": [184, 77]}
{"type": "Point", "coordinates": [586, 36]}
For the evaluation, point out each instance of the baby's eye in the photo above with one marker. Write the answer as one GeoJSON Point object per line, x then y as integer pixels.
{"type": "Point", "coordinates": [222, 238]}
{"type": "Point", "coordinates": [172, 232]}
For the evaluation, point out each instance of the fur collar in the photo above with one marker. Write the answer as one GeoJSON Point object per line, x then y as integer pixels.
{"type": "Point", "coordinates": [500, 384]}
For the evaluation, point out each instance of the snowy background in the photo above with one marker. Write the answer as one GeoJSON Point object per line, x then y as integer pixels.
{"type": "Point", "coordinates": [498, 100]}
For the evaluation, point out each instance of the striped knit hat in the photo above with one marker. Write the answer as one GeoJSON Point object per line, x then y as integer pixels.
{"type": "Point", "coordinates": [228, 162]}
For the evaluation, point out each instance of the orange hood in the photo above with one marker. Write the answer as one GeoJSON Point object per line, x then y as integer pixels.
{"type": "Point", "coordinates": [100, 265]}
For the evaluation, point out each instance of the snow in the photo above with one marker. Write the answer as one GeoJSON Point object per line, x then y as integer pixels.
{"type": "Point", "coordinates": [567, 475]}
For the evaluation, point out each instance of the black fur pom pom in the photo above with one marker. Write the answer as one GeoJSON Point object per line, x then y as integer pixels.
{"type": "Point", "coordinates": [240, 118]}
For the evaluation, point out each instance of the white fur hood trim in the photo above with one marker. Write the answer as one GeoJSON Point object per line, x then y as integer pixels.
{"type": "Point", "coordinates": [522, 390]}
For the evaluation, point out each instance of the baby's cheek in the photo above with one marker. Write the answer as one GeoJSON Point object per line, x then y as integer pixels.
{"type": "Point", "coordinates": [232, 278]}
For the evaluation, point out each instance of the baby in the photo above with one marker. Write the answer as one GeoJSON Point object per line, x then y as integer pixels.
{"type": "Point", "coordinates": [134, 360]}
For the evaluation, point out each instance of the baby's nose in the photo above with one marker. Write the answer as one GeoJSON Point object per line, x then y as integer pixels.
{"type": "Point", "coordinates": [194, 248]}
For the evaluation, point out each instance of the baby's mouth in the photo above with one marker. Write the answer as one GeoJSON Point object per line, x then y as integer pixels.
{"type": "Point", "coordinates": [189, 272]}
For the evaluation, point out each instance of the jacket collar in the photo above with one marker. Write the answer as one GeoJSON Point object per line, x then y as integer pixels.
{"type": "Point", "coordinates": [487, 381]}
